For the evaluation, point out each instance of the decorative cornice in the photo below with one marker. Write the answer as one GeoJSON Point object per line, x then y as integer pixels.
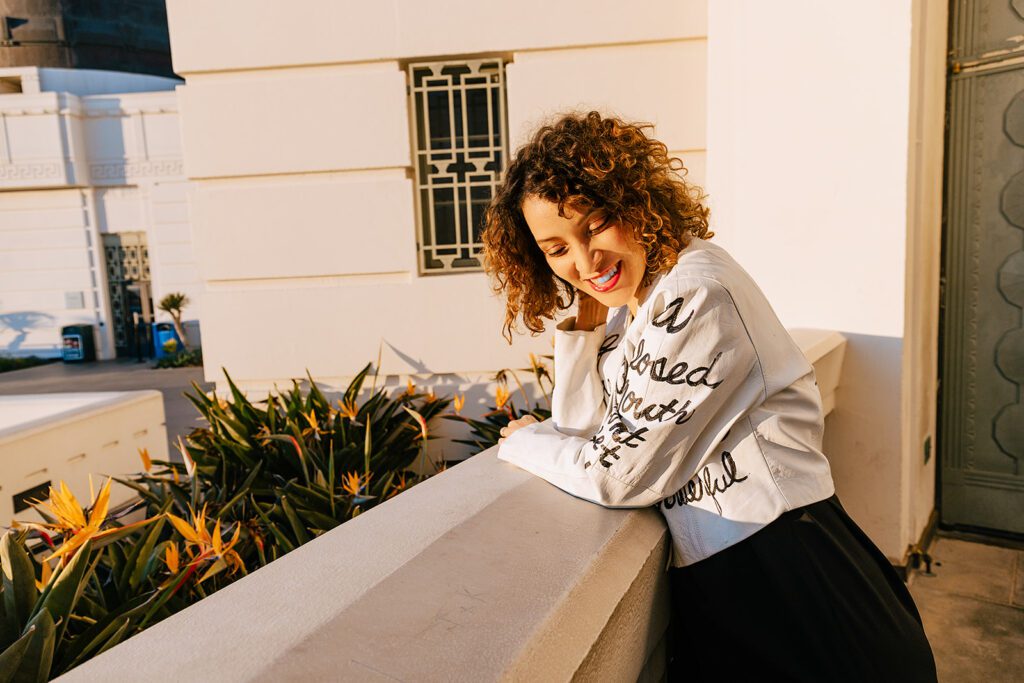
{"type": "Point", "coordinates": [119, 170]}
{"type": "Point", "coordinates": [38, 171]}
{"type": "Point", "coordinates": [86, 113]}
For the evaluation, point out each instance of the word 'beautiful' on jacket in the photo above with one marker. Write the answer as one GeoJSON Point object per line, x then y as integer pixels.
{"type": "Point", "coordinates": [703, 405]}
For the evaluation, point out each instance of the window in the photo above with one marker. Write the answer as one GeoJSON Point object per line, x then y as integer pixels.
{"type": "Point", "coordinates": [459, 143]}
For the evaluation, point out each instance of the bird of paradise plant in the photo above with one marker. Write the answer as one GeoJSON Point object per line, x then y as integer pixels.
{"type": "Point", "coordinates": [485, 431]}
{"type": "Point", "coordinates": [73, 525]}
{"type": "Point", "coordinates": [257, 480]}
{"type": "Point", "coordinates": [203, 546]}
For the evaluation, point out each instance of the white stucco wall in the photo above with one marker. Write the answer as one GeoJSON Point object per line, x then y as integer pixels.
{"type": "Point", "coordinates": [822, 150]}
{"type": "Point", "coordinates": [84, 153]}
{"type": "Point", "coordinates": [304, 209]}
{"type": "Point", "coordinates": [811, 177]}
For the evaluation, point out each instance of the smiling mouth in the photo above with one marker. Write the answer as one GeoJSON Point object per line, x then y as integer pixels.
{"type": "Point", "coordinates": [608, 280]}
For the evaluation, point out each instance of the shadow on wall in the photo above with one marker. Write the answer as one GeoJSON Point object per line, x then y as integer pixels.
{"type": "Point", "coordinates": [20, 323]}
{"type": "Point", "coordinates": [862, 438]}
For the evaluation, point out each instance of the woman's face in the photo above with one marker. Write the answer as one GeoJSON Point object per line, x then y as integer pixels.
{"type": "Point", "coordinates": [584, 248]}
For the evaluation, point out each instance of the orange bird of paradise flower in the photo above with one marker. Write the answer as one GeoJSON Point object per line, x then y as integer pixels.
{"type": "Point", "coordinates": [71, 522]}
{"type": "Point", "coordinates": [501, 396]}
{"type": "Point", "coordinates": [419, 420]}
{"type": "Point", "coordinates": [206, 546]}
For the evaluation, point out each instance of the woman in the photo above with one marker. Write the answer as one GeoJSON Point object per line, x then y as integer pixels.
{"type": "Point", "coordinates": [676, 386]}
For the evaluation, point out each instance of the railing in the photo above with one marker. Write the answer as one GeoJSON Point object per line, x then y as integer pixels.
{"type": "Point", "coordinates": [483, 572]}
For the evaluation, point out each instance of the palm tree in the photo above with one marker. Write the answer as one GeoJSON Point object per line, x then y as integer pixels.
{"type": "Point", "coordinates": [173, 304]}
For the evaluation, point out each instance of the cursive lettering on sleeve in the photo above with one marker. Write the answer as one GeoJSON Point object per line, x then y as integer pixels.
{"type": "Point", "coordinates": [678, 373]}
{"type": "Point", "coordinates": [621, 435]}
{"type": "Point", "coordinates": [705, 484]}
{"type": "Point", "coordinates": [669, 318]}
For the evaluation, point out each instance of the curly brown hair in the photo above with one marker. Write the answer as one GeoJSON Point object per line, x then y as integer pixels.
{"type": "Point", "coordinates": [586, 161]}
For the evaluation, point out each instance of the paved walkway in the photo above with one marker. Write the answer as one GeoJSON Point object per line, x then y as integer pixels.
{"type": "Point", "coordinates": [973, 610]}
{"type": "Point", "coordinates": [116, 375]}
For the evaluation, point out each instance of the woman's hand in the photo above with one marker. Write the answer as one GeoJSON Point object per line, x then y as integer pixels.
{"type": "Point", "coordinates": [516, 424]}
{"type": "Point", "coordinates": [590, 312]}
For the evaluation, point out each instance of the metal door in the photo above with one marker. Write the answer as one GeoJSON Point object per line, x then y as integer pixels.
{"type": "Point", "coordinates": [982, 373]}
{"type": "Point", "coordinates": [127, 259]}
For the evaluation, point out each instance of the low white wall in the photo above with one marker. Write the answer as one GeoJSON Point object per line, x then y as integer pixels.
{"type": "Point", "coordinates": [49, 438]}
{"type": "Point", "coordinates": [484, 572]}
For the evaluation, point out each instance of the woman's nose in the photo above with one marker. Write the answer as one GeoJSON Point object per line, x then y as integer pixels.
{"type": "Point", "coordinates": [586, 258]}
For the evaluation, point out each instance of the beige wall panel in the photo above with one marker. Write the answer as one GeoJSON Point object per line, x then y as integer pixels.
{"type": "Point", "coordinates": [295, 121]}
{"type": "Point", "coordinates": [31, 200]}
{"type": "Point", "coordinates": [807, 174]}
{"type": "Point", "coordinates": [163, 135]}
{"type": "Point", "coordinates": [177, 254]}
{"type": "Point", "coordinates": [442, 323]}
{"type": "Point", "coordinates": [120, 209]}
{"type": "Point", "coordinates": [467, 26]}
{"type": "Point", "coordinates": [41, 218]}
{"type": "Point", "coordinates": [100, 132]}
{"type": "Point", "coordinates": [35, 137]}
{"type": "Point", "coordinates": [173, 233]}
{"type": "Point", "coordinates": [172, 275]}
{"type": "Point", "coordinates": [45, 302]}
{"type": "Point", "coordinates": [333, 31]}
{"type": "Point", "coordinates": [35, 259]}
{"type": "Point", "coordinates": [302, 32]}
{"type": "Point", "coordinates": [662, 83]}
{"type": "Point", "coordinates": [44, 239]}
{"type": "Point", "coordinates": [170, 212]}
{"type": "Point", "coordinates": [305, 227]}
{"type": "Point", "coordinates": [30, 280]}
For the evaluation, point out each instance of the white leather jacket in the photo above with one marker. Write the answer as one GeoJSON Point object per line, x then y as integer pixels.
{"type": "Point", "coordinates": [703, 405]}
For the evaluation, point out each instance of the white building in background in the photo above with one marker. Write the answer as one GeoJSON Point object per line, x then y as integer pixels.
{"type": "Point", "coordinates": [342, 151]}
{"type": "Point", "coordinates": [93, 206]}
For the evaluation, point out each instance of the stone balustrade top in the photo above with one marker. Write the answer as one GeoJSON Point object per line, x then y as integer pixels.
{"type": "Point", "coordinates": [483, 572]}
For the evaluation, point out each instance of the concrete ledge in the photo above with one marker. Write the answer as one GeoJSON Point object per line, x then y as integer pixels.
{"type": "Point", "coordinates": [46, 438]}
{"type": "Point", "coordinates": [481, 573]}
{"type": "Point", "coordinates": [825, 350]}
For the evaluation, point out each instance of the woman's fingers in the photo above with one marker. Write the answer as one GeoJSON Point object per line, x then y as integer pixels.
{"type": "Point", "coordinates": [516, 424]}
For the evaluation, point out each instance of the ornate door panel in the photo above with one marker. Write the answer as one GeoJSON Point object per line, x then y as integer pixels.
{"type": "Point", "coordinates": [127, 260]}
{"type": "Point", "coordinates": [982, 429]}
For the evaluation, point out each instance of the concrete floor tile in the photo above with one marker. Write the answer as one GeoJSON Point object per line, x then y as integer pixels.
{"type": "Point", "coordinates": [971, 570]}
{"type": "Point", "coordinates": [973, 640]}
{"type": "Point", "coordinates": [1018, 588]}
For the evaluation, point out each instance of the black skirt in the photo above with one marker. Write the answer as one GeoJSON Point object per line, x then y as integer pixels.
{"type": "Point", "coordinates": [807, 598]}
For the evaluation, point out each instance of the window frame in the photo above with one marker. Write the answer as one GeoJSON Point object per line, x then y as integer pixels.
{"type": "Point", "coordinates": [422, 78]}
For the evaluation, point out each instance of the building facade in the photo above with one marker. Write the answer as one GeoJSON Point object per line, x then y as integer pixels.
{"type": "Point", "coordinates": [94, 224]}
{"type": "Point", "coordinates": [341, 153]}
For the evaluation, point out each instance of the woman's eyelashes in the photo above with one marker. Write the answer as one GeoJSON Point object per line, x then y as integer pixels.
{"type": "Point", "coordinates": [605, 223]}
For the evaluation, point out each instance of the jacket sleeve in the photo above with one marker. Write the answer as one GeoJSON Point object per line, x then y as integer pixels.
{"type": "Point", "coordinates": [577, 401]}
{"type": "Point", "coordinates": [692, 373]}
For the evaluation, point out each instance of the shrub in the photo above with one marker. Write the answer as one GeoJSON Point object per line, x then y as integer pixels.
{"type": "Point", "coordinates": [20, 362]}
{"type": "Point", "coordinates": [486, 430]}
{"type": "Point", "coordinates": [183, 358]}
{"type": "Point", "coordinates": [261, 479]}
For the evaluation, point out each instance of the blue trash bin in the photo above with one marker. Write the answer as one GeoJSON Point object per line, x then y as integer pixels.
{"type": "Point", "coordinates": [163, 332]}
